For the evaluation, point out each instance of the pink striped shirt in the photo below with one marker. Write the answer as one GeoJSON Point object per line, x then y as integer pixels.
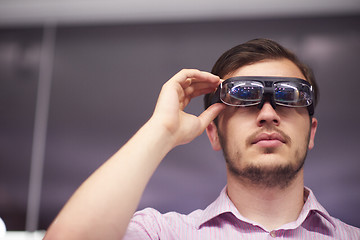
{"type": "Point", "coordinates": [221, 220]}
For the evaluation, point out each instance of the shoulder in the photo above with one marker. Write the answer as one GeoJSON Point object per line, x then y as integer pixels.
{"type": "Point", "coordinates": [344, 230]}
{"type": "Point", "coordinates": [324, 222]}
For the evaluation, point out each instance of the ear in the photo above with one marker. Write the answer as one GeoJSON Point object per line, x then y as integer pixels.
{"type": "Point", "coordinates": [213, 136]}
{"type": "Point", "coordinates": [314, 123]}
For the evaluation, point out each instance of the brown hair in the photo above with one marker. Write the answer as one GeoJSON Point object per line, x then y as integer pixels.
{"type": "Point", "coordinates": [254, 51]}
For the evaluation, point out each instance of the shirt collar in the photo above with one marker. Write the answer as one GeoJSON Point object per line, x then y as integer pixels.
{"type": "Point", "coordinates": [312, 205]}
{"type": "Point", "coordinates": [223, 204]}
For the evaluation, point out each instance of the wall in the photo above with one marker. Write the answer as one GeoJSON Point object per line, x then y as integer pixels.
{"type": "Point", "coordinates": [105, 82]}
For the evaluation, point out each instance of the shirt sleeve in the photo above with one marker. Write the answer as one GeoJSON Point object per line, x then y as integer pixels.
{"type": "Point", "coordinates": [145, 225]}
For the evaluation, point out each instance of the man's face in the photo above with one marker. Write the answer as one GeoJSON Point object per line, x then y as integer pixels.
{"type": "Point", "coordinates": [266, 146]}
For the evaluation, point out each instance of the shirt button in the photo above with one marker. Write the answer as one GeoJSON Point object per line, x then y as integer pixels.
{"type": "Point", "coordinates": [273, 234]}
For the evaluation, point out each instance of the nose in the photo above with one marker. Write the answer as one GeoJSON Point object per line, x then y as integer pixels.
{"type": "Point", "coordinates": [267, 116]}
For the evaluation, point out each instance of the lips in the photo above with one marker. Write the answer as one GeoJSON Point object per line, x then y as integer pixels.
{"type": "Point", "coordinates": [269, 139]}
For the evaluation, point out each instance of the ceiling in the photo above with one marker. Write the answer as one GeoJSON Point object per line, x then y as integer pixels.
{"type": "Point", "coordinates": [35, 12]}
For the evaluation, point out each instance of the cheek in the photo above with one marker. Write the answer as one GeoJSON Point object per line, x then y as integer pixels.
{"type": "Point", "coordinates": [233, 134]}
{"type": "Point", "coordinates": [301, 133]}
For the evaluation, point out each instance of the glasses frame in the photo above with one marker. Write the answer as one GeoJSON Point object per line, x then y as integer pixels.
{"type": "Point", "coordinates": [268, 91]}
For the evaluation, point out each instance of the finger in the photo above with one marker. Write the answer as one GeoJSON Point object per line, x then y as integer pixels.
{"type": "Point", "coordinates": [188, 83]}
{"type": "Point", "coordinates": [191, 93]}
{"type": "Point", "coordinates": [188, 76]}
{"type": "Point", "coordinates": [197, 89]}
{"type": "Point", "coordinates": [192, 86]}
{"type": "Point", "coordinates": [186, 99]}
{"type": "Point", "coordinates": [210, 114]}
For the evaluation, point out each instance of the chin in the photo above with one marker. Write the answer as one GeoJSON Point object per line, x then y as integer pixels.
{"type": "Point", "coordinates": [270, 159]}
{"type": "Point", "coordinates": [268, 175]}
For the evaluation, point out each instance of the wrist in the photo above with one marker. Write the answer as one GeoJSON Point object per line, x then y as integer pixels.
{"type": "Point", "coordinates": [154, 138]}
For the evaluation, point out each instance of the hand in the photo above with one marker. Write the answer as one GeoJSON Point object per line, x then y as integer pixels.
{"type": "Point", "coordinates": [175, 95]}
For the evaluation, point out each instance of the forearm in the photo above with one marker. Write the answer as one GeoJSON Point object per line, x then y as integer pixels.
{"type": "Point", "coordinates": [106, 201]}
{"type": "Point", "coordinates": [104, 204]}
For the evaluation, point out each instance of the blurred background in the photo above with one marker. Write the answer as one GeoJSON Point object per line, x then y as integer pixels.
{"type": "Point", "coordinates": [78, 78]}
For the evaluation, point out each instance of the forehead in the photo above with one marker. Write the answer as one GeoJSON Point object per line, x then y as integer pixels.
{"type": "Point", "coordinates": [271, 68]}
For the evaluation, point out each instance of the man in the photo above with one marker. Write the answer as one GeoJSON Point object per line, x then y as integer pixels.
{"type": "Point", "coordinates": [261, 117]}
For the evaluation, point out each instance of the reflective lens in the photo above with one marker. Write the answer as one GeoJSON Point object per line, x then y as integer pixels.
{"type": "Point", "coordinates": [292, 94]}
{"type": "Point", "coordinates": [242, 93]}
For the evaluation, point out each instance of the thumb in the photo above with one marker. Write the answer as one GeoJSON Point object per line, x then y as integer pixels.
{"type": "Point", "coordinates": [210, 114]}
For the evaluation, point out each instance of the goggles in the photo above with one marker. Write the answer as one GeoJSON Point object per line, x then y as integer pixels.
{"type": "Point", "coordinates": [250, 91]}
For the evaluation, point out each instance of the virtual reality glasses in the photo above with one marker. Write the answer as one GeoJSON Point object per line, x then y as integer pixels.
{"type": "Point", "coordinates": [250, 91]}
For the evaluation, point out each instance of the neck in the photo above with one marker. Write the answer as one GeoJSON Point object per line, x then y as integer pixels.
{"type": "Point", "coordinates": [270, 207]}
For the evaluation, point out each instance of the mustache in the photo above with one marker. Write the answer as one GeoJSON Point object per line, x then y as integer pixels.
{"type": "Point", "coordinates": [268, 130]}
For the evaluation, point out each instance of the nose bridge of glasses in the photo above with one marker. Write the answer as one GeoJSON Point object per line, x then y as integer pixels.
{"type": "Point", "coordinates": [268, 94]}
{"type": "Point", "coordinates": [268, 87]}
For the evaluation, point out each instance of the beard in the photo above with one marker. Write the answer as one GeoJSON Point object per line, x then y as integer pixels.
{"type": "Point", "coordinates": [277, 175]}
